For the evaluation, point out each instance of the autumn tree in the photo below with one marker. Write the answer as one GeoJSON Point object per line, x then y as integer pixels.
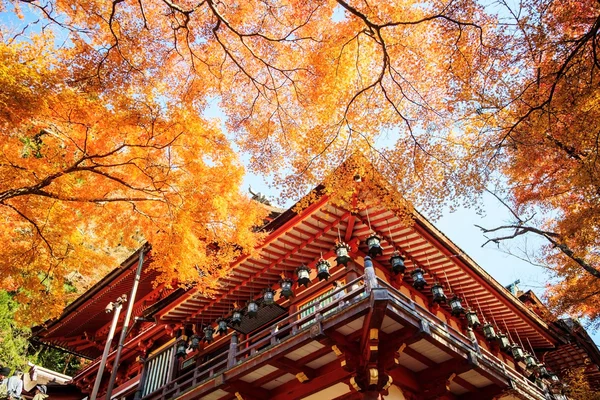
{"type": "Point", "coordinates": [444, 99]}
{"type": "Point", "coordinates": [84, 173]}
{"type": "Point", "coordinates": [104, 143]}
{"type": "Point", "coordinates": [548, 127]}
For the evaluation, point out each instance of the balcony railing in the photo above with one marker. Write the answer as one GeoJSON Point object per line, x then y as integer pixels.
{"type": "Point", "coordinates": [343, 299]}
{"type": "Point", "coordinates": [440, 328]}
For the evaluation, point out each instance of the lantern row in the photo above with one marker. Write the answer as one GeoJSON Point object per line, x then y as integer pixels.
{"type": "Point", "coordinates": [398, 267]}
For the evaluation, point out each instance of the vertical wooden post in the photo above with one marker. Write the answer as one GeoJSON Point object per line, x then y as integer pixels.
{"type": "Point", "coordinates": [370, 277]}
{"type": "Point", "coordinates": [293, 309]}
{"type": "Point", "coordinates": [142, 382]}
{"type": "Point", "coordinates": [231, 355]}
{"type": "Point", "coordinates": [273, 335]}
{"type": "Point", "coordinates": [352, 272]}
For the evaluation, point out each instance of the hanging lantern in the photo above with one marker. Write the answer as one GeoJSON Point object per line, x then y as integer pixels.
{"type": "Point", "coordinates": [517, 352]}
{"type": "Point", "coordinates": [456, 308]}
{"type": "Point", "coordinates": [529, 361]}
{"type": "Point", "coordinates": [268, 296]}
{"type": "Point", "coordinates": [181, 347]}
{"type": "Point", "coordinates": [553, 377]}
{"type": "Point", "coordinates": [208, 334]}
{"type": "Point", "coordinates": [472, 319]}
{"type": "Point", "coordinates": [374, 244]}
{"type": "Point", "coordinates": [236, 317]}
{"type": "Point", "coordinates": [397, 263]}
{"type": "Point", "coordinates": [503, 342]}
{"type": "Point", "coordinates": [303, 273]}
{"type": "Point", "coordinates": [419, 281]}
{"type": "Point", "coordinates": [543, 371]}
{"type": "Point", "coordinates": [252, 309]}
{"type": "Point", "coordinates": [341, 251]}
{"type": "Point", "coordinates": [438, 293]}
{"type": "Point", "coordinates": [488, 332]}
{"type": "Point", "coordinates": [194, 342]}
{"type": "Point", "coordinates": [323, 269]}
{"type": "Point", "coordinates": [221, 326]}
{"type": "Point", "coordinates": [286, 287]}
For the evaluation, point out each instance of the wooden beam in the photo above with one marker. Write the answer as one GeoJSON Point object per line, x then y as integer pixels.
{"type": "Point", "coordinates": [269, 377]}
{"type": "Point", "coordinates": [443, 370]}
{"type": "Point", "coordinates": [297, 248]}
{"type": "Point", "coordinates": [247, 390]}
{"type": "Point", "coordinates": [369, 342]}
{"type": "Point", "coordinates": [292, 367]}
{"type": "Point", "coordinates": [466, 384]}
{"type": "Point", "coordinates": [271, 238]}
{"type": "Point", "coordinates": [418, 356]}
{"type": "Point", "coordinates": [488, 392]}
{"type": "Point", "coordinates": [349, 228]}
{"type": "Point", "coordinates": [315, 355]}
{"type": "Point", "coordinates": [405, 379]}
{"type": "Point", "coordinates": [320, 382]}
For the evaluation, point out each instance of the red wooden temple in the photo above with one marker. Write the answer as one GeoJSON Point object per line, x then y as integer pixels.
{"type": "Point", "coordinates": [378, 334]}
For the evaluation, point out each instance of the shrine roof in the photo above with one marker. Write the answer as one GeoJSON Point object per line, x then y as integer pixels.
{"type": "Point", "coordinates": [84, 323]}
{"type": "Point", "coordinates": [304, 236]}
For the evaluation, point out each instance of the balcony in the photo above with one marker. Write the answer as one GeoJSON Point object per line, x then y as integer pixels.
{"type": "Point", "coordinates": [367, 325]}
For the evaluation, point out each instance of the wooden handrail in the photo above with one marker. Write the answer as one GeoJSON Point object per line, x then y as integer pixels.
{"type": "Point", "coordinates": [440, 327]}
{"type": "Point", "coordinates": [294, 323]}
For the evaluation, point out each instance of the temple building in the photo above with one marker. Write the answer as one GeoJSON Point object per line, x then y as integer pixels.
{"type": "Point", "coordinates": [338, 302]}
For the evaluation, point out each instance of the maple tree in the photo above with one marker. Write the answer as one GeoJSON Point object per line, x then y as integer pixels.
{"type": "Point", "coordinates": [547, 145]}
{"type": "Point", "coordinates": [441, 98]}
{"type": "Point", "coordinates": [84, 174]}
{"type": "Point", "coordinates": [108, 134]}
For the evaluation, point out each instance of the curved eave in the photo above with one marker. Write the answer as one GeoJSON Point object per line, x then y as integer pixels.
{"type": "Point", "coordinates": [303, 238]}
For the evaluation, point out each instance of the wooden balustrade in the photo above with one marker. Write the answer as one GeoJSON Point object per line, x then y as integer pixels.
{"type": "Point", "coordinates": [291, 325]}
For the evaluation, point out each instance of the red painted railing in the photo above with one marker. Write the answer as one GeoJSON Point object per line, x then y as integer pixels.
{"type": "Point", "coordinates": [352, 293]}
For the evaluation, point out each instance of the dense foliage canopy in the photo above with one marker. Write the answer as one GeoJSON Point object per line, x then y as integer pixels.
{"type": "Point", "coordinates": [106, 142]}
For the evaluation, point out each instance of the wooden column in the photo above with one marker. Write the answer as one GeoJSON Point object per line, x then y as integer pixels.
{"type": "Point", "coordinates": [142, 382]}
{"type": "Point", "coordinates": [370, 276]}
{"type": "Point", "coordinates": [352, 273]}
{"type": "Point", "coordinates": [231, 355]}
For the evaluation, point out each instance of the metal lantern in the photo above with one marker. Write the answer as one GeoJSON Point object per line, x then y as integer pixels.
{"type": "Point", "coordinates": [503, 342]}
{"type": "Point", "coordinates": [323, 269]}
{"type": "Point", "coordinates": [222, 326]}
{"type": "Point", "coordinates": [397, 263]}
{"type": "Point", "coordinates": [529, 361]}
{"type": "Point", "coordinates": [252, 308]}
{"type": "Point", "coordinates": [236, 317]}
{"type": "Point", "coordinates": [489, 332]}
{"type": "Point", "coordinates": [194, 342]}
{"type": "Point", "coordinates": [517, 352]}
{"type": "Point", "coordinates": [456, 308]}
{"type": "Point", "coordinates": [286, 287]}
{"type": "Point", "coordinates": [341, 251]}
{"type": "Point", "coordinates": [209, 334]}
{"type": "Point", "coordinates": [268, 296]}
{"type": "Point", "coordinates": [438, 293]}
{"type": "Point", "coordinates": [419, 281]}
{"type": "Point", "coordinates": [181, 347]}
{"type": "Point", "coordinates": [303, 273]}
{"type": "Point", "coordinates": [374, 244]}
{"type": "Point", "coordinates": [472, 318]}
{"type": "Point", "coordinates": [543, 371]}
